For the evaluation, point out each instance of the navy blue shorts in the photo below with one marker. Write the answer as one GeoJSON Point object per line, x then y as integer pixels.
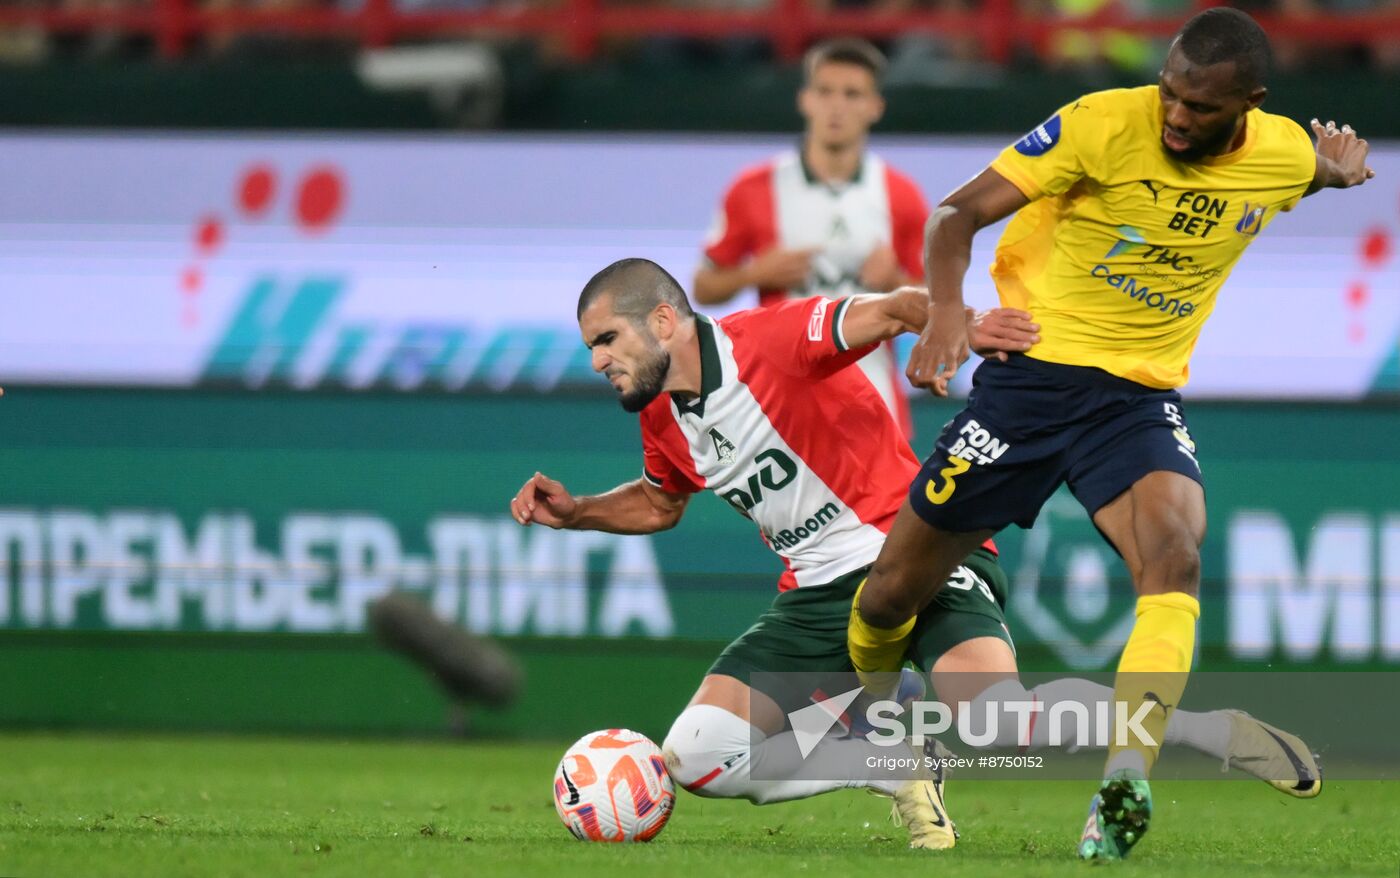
{"type": "Point", "coordinates": [1031, 425]}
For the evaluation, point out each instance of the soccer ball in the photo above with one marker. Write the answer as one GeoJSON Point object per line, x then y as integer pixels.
{"type": "Point", "coordinates": [612, 785]}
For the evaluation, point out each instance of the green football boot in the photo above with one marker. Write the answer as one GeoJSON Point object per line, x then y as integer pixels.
{"type": "Point", "coordinates": [1118, 817]}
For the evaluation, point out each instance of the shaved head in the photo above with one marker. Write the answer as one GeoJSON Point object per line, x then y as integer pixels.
{"type": "Point", "coordinates": [1221, 35]}
{"type": "Point", "coordinates": [637, 286]}
{"type": "Point", "coordinates": [627, 330]}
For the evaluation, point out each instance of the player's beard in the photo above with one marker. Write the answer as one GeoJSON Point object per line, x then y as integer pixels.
{"type": "Point", "coordinates": [648, 379]}
{"type": "Point", "coordinates": [1216, 145]}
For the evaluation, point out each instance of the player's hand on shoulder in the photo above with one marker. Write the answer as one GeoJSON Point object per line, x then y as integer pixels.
{"type": "Point", "coordinates": [941, 349]}
{"type": "Point", "coordinates": [1345, 152]}
{"type": "Point", "coordinates": [880, 272]}
{"type": "Point", "coordinates": [544, 501]}
{"type": "Point", "coordinates": [778, 269]}
{"type": "Point", "coordinates": [1000, 331]}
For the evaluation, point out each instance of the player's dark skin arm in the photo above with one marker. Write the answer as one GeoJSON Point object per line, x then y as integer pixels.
{"type": "Point", "coordinates": [632, 508]}
{"type": "Point", "coordinates": [1341, 158]}
{"type": "Point", "coordinates": [943, 343]}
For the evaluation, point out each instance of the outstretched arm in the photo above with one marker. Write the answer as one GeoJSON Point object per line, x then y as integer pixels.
{"type": "Point", "coordinates": [633, 508]}
{"type": "Point", "coordinates": [1341, 158]}
{"type": "Point", "coordinates": [943, 343]}
{"type": "Point", "coordinates": [875, 318]}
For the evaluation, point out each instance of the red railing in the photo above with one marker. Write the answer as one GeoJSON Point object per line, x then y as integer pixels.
{"type": "Point", "coordinates": [790, 25]}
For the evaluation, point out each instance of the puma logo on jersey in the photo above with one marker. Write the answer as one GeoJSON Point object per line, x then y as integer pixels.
{"type": "Point", "coordinates": [1155, 190]}
{"type": "Point", "coordinates": [723, 447]}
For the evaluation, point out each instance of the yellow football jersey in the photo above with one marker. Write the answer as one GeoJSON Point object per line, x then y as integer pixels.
{"type": "Point", "coordinates": [1122, 250]}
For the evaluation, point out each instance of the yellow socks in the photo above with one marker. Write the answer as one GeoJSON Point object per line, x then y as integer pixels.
{"type": "Point", "coordinates": [875, 651]}
{"type": "Point", "coordinates": [1153, 668]}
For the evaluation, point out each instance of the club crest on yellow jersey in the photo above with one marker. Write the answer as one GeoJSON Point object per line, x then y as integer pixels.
{"type": "Point", "coordinates": [1252, 219]}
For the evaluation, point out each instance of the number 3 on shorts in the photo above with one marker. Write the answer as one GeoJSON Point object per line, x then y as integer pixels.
{"type": "Point", "coordinates": [956, 467]}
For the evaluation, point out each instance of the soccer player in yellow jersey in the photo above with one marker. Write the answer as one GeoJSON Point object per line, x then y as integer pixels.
{"type": "Point", "coordinates": [1131, 206]}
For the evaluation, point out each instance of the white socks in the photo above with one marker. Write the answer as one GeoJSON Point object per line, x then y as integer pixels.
{"type": "Point", "coordinates": [712, 752]}
{"type": "Point", "coordinates": [1208, 732]}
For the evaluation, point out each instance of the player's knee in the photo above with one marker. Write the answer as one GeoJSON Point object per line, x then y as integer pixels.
{"type": "Point", "coordinates": [706, 749]}
{"type": "Point", "coordinates": [989, 724]}
{"type": "Point", "coordinates": [1178, 565]}
{"type": "Point", "coordinates": [889, 599]}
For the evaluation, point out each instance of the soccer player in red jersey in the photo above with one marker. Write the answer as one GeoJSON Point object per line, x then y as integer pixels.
{"type": "Point", "coordinates": [765, 409]}
{"type": "Point", "coordinates": [829, 218]}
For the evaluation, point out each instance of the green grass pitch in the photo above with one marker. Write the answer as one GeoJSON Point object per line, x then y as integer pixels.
{"type": "Point", "coordinates": [191, 806]}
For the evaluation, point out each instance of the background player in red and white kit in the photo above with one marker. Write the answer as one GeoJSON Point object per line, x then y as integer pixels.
{"type": "Point", "coordinates": [828, 219]}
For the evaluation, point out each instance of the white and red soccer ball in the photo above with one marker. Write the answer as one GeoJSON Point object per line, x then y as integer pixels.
{"type": "Point", "coordinates": [612, 785]}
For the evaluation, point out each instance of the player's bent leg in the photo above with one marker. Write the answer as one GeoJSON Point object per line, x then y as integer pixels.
{"type": "Point", "coordinates": [963, 673]}
{"type": "Point", "coordinates": [984, 473]}
{"type": "Point", "coordinates": [713, 752]}
{"type": "Point", "coordinates": [708, 750]}
{"type": "Point", "coordinates": [912, 566]}
{"type": "Point", "coordinates": [750, 705]}
{"type": "Point", "coordinates": [730, 741]}
{"type": "Point", "coordinates": [914, 562]}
